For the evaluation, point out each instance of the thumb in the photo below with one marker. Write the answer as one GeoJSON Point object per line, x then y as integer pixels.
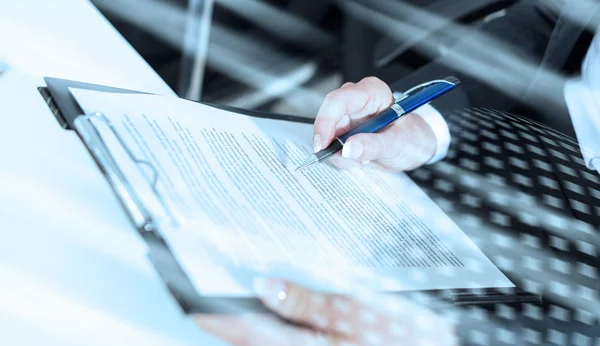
{"type": "Point", "coordinates": [405, 145]}
{"type": "Point", "coordinates": [372, 146]}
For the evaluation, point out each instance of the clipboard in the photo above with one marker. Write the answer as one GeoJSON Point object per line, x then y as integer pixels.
{"type": "Point", "coordinates": [70, 116]}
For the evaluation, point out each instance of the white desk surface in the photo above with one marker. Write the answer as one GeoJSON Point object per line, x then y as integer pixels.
{"type": "Point", "coordinates": [72, 269]}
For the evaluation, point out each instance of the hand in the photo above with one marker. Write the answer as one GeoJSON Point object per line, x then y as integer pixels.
{"type": "Point", "coordinates": [406, 144]}
{"type": "Point", "coordinates": [327, 320]}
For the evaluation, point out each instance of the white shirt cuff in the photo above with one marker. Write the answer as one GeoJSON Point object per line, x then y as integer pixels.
{"type": "Point", "coordinates": [583, 108]}
{"type": "Point", "coordinates": [438, 124]}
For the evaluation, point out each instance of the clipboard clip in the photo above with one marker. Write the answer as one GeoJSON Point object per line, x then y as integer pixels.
{"type": "Point", "coordinates": [141, 198]}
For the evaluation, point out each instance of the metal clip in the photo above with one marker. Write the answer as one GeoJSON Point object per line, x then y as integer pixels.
{"type": "Point", "coordinates": [135, 206]}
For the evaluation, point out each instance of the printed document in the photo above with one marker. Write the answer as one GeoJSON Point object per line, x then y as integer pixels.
{"type": "Point", "coordinates": [237, 208]}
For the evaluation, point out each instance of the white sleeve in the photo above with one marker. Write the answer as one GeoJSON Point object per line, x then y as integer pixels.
{"type": "Point", "coordinates": [438, 124]}
{"type": "Point", "coordinates": [584, 110]}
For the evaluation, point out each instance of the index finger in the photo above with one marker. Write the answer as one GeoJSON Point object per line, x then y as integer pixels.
{"type": "Point", "coordinates": [352, 101]}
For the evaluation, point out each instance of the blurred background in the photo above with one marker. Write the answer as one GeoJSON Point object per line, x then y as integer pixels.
{"type": "Point", "coordinates": [283, 55]}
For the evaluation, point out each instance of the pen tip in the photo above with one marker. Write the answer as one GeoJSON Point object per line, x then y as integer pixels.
{"type": "Point", "coordinates": [310, 161]}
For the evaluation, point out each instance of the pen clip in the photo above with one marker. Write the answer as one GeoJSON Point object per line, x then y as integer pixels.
{"type": "Point", "coordinates": [416, 88]}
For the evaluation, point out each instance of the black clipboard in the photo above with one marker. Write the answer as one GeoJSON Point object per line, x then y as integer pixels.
{"type": "Point", "coordinates": [66, 110]}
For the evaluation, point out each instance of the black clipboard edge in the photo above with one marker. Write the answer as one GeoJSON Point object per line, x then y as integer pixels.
{"type": "Point", "coordinates": [53, 108]}
{"type": "Point", "coordinates": [65, 109]}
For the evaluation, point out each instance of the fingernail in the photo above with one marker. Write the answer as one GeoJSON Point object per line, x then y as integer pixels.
{"type": "Point", "coordinates": [343, 122]}
{"type": "Point", "coordinates": [366, 162]}
{"type": "Point", "coordinates": [317, 143]}
{"type": "Point", "coordinates": [271, 291]}
{"type": "Point", "coordinates": [352, 150]}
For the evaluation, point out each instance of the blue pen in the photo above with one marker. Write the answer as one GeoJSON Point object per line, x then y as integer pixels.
{"type": "Point", "coordinates": [411, 100]}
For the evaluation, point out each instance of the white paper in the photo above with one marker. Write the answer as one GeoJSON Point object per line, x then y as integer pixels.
{"type": "Point", "coordinates": [243, 211]}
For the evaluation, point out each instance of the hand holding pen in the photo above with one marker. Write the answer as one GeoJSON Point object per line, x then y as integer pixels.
{"type": "Point", "coordinates": [405, 142]}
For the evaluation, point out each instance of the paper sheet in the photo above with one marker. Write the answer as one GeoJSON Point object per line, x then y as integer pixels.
{"type": "Point", "coordinates": [243, 211]}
